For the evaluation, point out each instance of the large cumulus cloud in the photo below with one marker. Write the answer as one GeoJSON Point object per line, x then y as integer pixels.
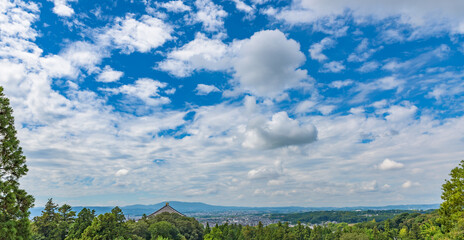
{"type": "Point", "coordinates": [268, 63]}
{"type": "Point", "coordinates": [280, 131]}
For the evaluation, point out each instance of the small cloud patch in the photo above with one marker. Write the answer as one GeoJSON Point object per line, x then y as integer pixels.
{"type": "Point", "coordinates": [388, 164]}
{"type": "Point", "coordinates": [121, 172]}
{"type": "Point", "coordinates": [203, 89]}
{"type": "Point", "coordinates": [109, 75]}
{"type": "Point", "coordinates": [409, 184]}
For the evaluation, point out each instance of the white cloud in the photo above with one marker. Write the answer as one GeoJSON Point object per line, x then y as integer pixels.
{"type": "Point", "coordinates": [280, 131]}
{"type": "Point", "coordinates": [109, 75]}
{"type": "Point", "coordinates": [362, 52]}
{"type": "Point", "coordinates": [58, 67]}
{"type": "Point", "coordinates": [84, 55]}
{"type": "Point", "coordinates": [144, 89]}
{"type": "Point", "coordinates": [368, 67]}
{"type": "Point", "coordinates": [382, 84]}
{"type": "Point", "coordinates": [437, 54]}
{"type": "Point", "coordinates": [409, 184]}
{"type": "Point", "coordinates": [357, 110]}
{"type": "Point", "coordinates": [450, 87]}
{"type": "Point", "coordinates": [380, 104]}
{"type": "Point", "coordinates": [200, 53]}
{"type": "Point", "coordinates": [266, 172]}
{"type": "Point", "coordinates": [129, 34]}
{"type": "Point", "coordinates": [326, 109]}
{"type": "Point", "coordinates": [363, 45]}
{"type": "Point", "coordinates": [16, 22]}
{"type": "Point", "coordinates": [305, 106]}
{"type": "Point", "coordinates": [340, 84]}
{"type": "Point", "coordinates": [268, 62]}
{"type": "Point", "coordinates": [416, 13]}
{"type": "Point", "coordinates": [121, 172]}
{"type": "Point", "coordinates": [200, 192]}
{"type": "Point", "coordinates": [210, 15]}
{"type": "Point", "coordinates": [250, 104]}
{"type": "Point", "coordinates": [438, 92]}
{"type": "Point", "coordinates": [265, 64]}
{"type": "Point", "coordinates": [62, 8]}
{"type": "Point", "coordinates": [334, 67]}
{"type": "Point", "coordinates": [242, 6]}
{"type": "Point", "coordinates": [392, 35]}
{"type": "Point", "coordinates": [316, 49]}
{"type": "Point", "coordinates": [386, 187]}
{"type": "Point", "coordinates": [203, 89]}
{"type": "Point", "coordinates": [398, 113]}
{"type": "Point", "coordinates": [176, 6]}
{"type": "Point", "coordinates": [259, 2]}
{"type": "Point", "coordinates": [170, 91]}
{"type": "Point", "coordinates": [11, 72]}
{"type": "Point", "coordinates": [369, 186]}
{"type": "Point", "coordinates": [388, 164]}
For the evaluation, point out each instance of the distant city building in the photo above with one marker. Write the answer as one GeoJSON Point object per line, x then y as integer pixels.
{"type": "Point", "coordinates": [167, 209]}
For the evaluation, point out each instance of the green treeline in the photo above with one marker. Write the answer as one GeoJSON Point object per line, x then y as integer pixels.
{"type": "Point", "coordinates": [59, 223]}
{"type": "Point", "coordinates": [341, 216]}
{"type": "Point", "coordinates": [404, 226]}
{"type": "Point", "coordinates": [62, 223]}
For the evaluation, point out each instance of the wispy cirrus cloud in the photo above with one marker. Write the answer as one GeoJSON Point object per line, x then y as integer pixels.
{"type": "Point", "coordinates": [144, 89]}
{"type": "Point", "coordinates": [428, 13]}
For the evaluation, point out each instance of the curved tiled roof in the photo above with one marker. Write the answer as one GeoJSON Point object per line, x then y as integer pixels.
{"type": "Point", "coordinates": [166, 208]}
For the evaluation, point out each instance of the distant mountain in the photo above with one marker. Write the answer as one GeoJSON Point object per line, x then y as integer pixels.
{"type": "Point", "coordinates": [195, 208]}
{"type": "Point", "coordinates": [394, 207]}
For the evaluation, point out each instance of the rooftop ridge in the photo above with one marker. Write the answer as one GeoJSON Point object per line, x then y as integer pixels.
{"type": "Point", "coordinates": [166, 208]}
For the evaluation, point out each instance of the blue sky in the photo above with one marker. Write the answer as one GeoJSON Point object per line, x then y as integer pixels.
{"type": "Point", "coordinates": [247, 103]}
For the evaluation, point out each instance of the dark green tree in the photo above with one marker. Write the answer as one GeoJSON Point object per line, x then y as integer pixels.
{"type": "Point", "coordinates": [301, 232]}
{"type": "Point", "coordinates": [215, 234]}
{"type": "Point", "coordinates": [207, 228]}
{"type": "Point", "coordinates": [65, 219]}
{"type": "Point", "coordinates": [164, 229]}
{"type": "Point", "coordinates": [107, 226]}
{"type": "Point", "coordinates": [452, 207]}
{"type": "Point", "coordinates": [46, 225]}
{"type": "Point", "coordinates": [354, 235]}
{"type": "Point", "coordinates": [14, 202]}
{"type": "Point", "coordinates": [188, 227]}
{"type": "Point", "coordinates": [138, 229]}
{"type": "Point", "coordinates": [84, 219]}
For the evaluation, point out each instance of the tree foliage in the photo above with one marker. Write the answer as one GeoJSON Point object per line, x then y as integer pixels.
{"type": "Point", "coordinates": [84, 219]}
{"type": "Point", "coordinates": [164, 229]}
{"type": "Point", "coordinates": [14, 202]}
{"type": "Point", "coordinates": [188, 227]}
{"type": "Point", "coordinates": [46, 225]}
{"type": "Point", "coordinates": [54, 223]}
{"type": "Point", "coordinates": [406, 226]}
{"type": "Point", "coordinates": [107, 226]}
{"type": "Point", "coordinates": [452, 208]}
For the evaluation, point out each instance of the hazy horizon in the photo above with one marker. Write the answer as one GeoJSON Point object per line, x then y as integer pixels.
{"type": "Point", "coordinates": [242, 102]}
{"type": "Point", "coordinates": [244, 206]}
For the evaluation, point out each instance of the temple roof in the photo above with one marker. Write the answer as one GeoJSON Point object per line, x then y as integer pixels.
{"type": "Point", "coordinates": [166, 208]}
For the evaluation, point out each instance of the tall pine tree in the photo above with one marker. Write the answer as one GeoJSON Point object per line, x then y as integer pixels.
{"type": "Point", "coordinates": [14, 202]}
